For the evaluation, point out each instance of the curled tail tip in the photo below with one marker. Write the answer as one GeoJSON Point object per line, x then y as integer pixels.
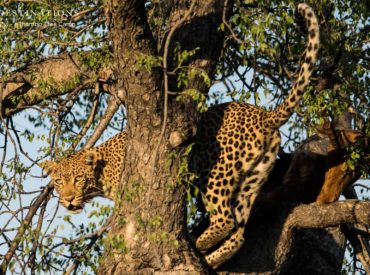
{"type": "Point", "coordinates": [306, 11]}
{"type": "Point", "coordinates": [302, 7]}
{"type": "Point", "coordinates": [307, 18]}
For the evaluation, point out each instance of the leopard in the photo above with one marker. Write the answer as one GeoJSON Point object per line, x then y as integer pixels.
{"type": "Point", "coordinates": [88, 173]}
{"type": "Point", "coordinates": [235, 147]}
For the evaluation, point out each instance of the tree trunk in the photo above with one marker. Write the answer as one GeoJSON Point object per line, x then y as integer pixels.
{"type": "Point", "coordinates": [148, 232]}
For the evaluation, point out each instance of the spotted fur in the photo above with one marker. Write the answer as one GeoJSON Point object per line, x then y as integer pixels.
{"type": "Point", "coordinates": [236, 147]}
{"type": "Point", "coordinates": [88, 173]}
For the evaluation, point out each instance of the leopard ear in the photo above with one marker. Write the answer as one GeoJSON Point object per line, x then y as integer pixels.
{"type": "Point", "coordinates": [92, 157]}
{"type": "Point", "coordinates": [350, 136]}
{"type": "Point", "coordinates": [48, 166]}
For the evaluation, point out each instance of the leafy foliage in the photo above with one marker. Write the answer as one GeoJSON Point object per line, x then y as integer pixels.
{"type": "Point", "coordinates": [258, 65]}
{"type": "Point", "coordinates": [32, 29]}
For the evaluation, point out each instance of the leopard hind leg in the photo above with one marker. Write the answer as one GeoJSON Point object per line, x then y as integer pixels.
{"type": "Point", "coordinates": [249, 190]}
{"type": "Point", "coordinates": [218, 204]}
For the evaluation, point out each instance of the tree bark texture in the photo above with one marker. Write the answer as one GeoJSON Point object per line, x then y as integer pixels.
{"type": "Point", "coordinates": [150, 214]}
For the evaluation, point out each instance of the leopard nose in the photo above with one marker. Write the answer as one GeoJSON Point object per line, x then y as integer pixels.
{"type": "Point", "coordinates": [69, 198]}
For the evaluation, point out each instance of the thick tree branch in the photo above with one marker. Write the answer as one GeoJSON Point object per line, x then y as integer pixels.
{"type": "Point", "coordinates": [113, 105]}
{"type": "Point", "coordinates": [330, 215]}
{"type": "Point", "coordinates": [51, 77]}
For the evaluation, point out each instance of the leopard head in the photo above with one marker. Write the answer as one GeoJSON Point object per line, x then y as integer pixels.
{"type": "Point", "coordinates": [76, 178]}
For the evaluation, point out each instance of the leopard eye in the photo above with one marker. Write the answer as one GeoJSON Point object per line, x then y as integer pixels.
{"type": "Point", "coordinates": [79, 178]}
{"type": "Point", "coordinates": [58, 182]}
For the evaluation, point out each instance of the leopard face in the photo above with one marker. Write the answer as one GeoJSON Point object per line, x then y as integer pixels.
{"type": "Point", "coordinates": [75, 179]}
{"type": "Point", "coordinates": [88, 173]}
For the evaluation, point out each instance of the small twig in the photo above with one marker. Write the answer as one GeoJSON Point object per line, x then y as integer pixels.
{"type": "Point", "coordinates": [76, 17]}
{"type": "Point", "coordinates": [233, 34]}
{"type": "Point", "coordinates": [89, 121]}
{"type": "Point", "coordinates": [35, 244]}
{"type": "Point", "coordinates": [93, 240]}
{"type": "Point", "coordinates": [361, 186]}
{"type": "Point", "coordinates": [364, 256]}
{"type": "Point", "coordinates": [357, 243]}
{"type": "Point", "coordinates": [26, 222]}
{"type": "Point", "coordinates": [19, 142]}
{"type": "Point", "coordinates": [241, 77]}
{"type": "Point", "coordinates": [4, 151]}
